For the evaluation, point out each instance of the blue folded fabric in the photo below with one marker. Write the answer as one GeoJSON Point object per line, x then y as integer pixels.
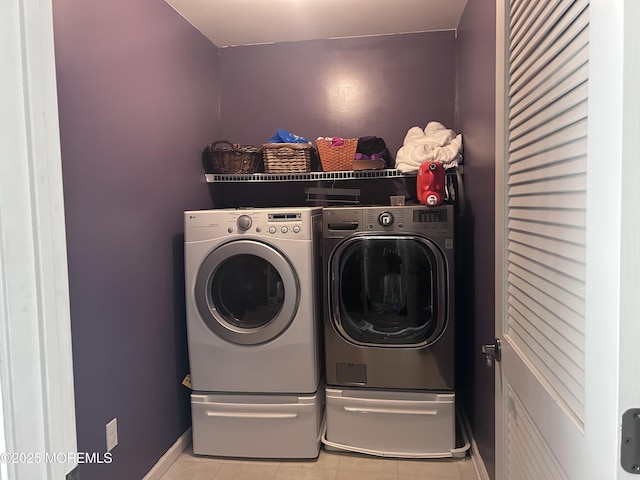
{"type": "Point", "coordinates": [282, 136]}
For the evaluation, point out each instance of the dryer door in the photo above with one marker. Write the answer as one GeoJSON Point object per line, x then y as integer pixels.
{"type": "Point", "coordinates": [247, 292]}
{"type": "Point", "coordinates": [388, 290]}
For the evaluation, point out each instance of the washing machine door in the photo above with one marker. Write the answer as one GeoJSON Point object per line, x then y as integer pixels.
{"type": "Point", "coordinates": [247, 292]}
{"type": "Point", "coordinates": [388, 290]}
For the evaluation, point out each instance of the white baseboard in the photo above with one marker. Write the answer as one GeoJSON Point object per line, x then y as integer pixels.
{"type": "Point", "coordinates": [170, 456]}
{"type": "Point", "coordinates": [476, 458]}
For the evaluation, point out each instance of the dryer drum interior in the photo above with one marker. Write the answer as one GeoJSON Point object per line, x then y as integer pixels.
{"type": "Point", "coordinates": [247, 291]}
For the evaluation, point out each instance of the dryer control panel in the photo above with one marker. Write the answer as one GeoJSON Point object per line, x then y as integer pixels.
{"type": "Point", "coordinates": [294, 223]}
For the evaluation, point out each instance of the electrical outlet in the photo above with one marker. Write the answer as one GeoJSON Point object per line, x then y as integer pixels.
{"type": "Point", "coordinates": [112, 434]}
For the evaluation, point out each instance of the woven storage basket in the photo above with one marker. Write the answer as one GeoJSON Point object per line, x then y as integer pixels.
{"type": "Point", "coordinates": [287, 157]}
{"type": "Point", "coordinates": [336, 158]}
{"type": "Point", "coordinates": [226, 157]}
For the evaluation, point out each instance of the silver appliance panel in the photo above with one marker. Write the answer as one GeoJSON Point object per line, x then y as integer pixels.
{"type": "Point", "coordinates": [384, 330]}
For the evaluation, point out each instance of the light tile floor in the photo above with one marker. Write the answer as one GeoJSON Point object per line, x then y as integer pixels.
{"type": "Point", "coordinates": [328, 466]}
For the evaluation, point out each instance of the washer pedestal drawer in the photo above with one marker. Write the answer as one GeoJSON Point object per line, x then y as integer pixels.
{"type": "Point", "coordinates": [257, 425]}
{"type": "Point", "coordinates": [391, 423]}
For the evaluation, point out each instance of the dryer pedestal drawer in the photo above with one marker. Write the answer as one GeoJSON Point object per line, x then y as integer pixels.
{"type": "Point", "coordinates": [258, 426]}
{"type": "Point", "coordinates": [391, 423]}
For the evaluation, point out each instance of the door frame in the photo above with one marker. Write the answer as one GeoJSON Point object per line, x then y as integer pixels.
{"type": "Point", "coordinates": [36, 374]}
{"type": "Point", "coordinates": [500, 227]}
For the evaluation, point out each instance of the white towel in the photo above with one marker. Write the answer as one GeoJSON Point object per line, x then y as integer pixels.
{"type": "Point", "coordinates": [434, 143]}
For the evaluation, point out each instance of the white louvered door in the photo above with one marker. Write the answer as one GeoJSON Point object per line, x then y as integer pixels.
{"type": "Point", "coordinates": [558, 268]}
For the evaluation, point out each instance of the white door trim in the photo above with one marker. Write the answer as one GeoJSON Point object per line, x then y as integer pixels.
{"type": "Point", "coordinates": [36, 375]}
{"type": "Point", "coordinates": [500, 231]}
{"type": "Point", "coordinates": [614, 131]}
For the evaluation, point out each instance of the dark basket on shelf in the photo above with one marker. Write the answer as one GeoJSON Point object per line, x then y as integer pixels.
{"type": "Point", "coordinates": [287, 157]}
{"type": "Point", "coordinates": [227, 157]}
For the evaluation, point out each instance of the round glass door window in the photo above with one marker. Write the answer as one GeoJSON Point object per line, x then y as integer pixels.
{"type": "Point", "coordinates": [247, 292]}
{"type": "Point", "coordinates": [389, 291]}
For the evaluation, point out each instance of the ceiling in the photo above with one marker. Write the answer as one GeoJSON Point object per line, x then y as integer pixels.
{"type": "Point", "coordinates": [251, 22]}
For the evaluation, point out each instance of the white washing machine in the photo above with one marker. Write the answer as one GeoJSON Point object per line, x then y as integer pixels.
{"type": "Point", "coordinates": [253, 298]}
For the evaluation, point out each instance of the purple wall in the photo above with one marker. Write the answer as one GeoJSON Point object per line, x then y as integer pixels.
{"type": "Point", "coordinates": [138, 99]}
{"type": "Point", "coordinates": [476, 119]}
{"type": "Point", "coordinates": [349, 88]}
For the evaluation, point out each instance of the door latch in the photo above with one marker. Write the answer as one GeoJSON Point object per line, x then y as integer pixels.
{"type": "Point", "coordinates": [630, 445]}
{"type": "Point", "coordinates": [491, 352]}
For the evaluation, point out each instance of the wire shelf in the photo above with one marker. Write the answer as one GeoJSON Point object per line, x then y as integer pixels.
{"type": "Point", "coordinates": [306, 177]}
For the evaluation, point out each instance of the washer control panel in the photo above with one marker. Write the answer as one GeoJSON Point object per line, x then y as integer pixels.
{"type": "Point", "coordinates": [341, 222]}
{"type": "Point", "coordinates": [385, 219]}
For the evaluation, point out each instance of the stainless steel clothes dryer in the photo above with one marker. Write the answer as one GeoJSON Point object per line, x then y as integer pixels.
{"type": "Point", "coordinates": [252, 292]}
{"type": "Point", "coordinates": [389, 306]}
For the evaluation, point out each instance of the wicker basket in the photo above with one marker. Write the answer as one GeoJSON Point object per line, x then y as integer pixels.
{"type": "Point", "coordinates": [226, 157]}
{"type": "Point", "coordinates": [339, 157]}
{"type": "Point", "coordinates": [287, 157]}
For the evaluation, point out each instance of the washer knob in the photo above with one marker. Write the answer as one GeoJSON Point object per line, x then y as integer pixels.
{"type": "Point", "coordinates": [385, 219]}
{"type": "Point", "coordinates": [244, 222]}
